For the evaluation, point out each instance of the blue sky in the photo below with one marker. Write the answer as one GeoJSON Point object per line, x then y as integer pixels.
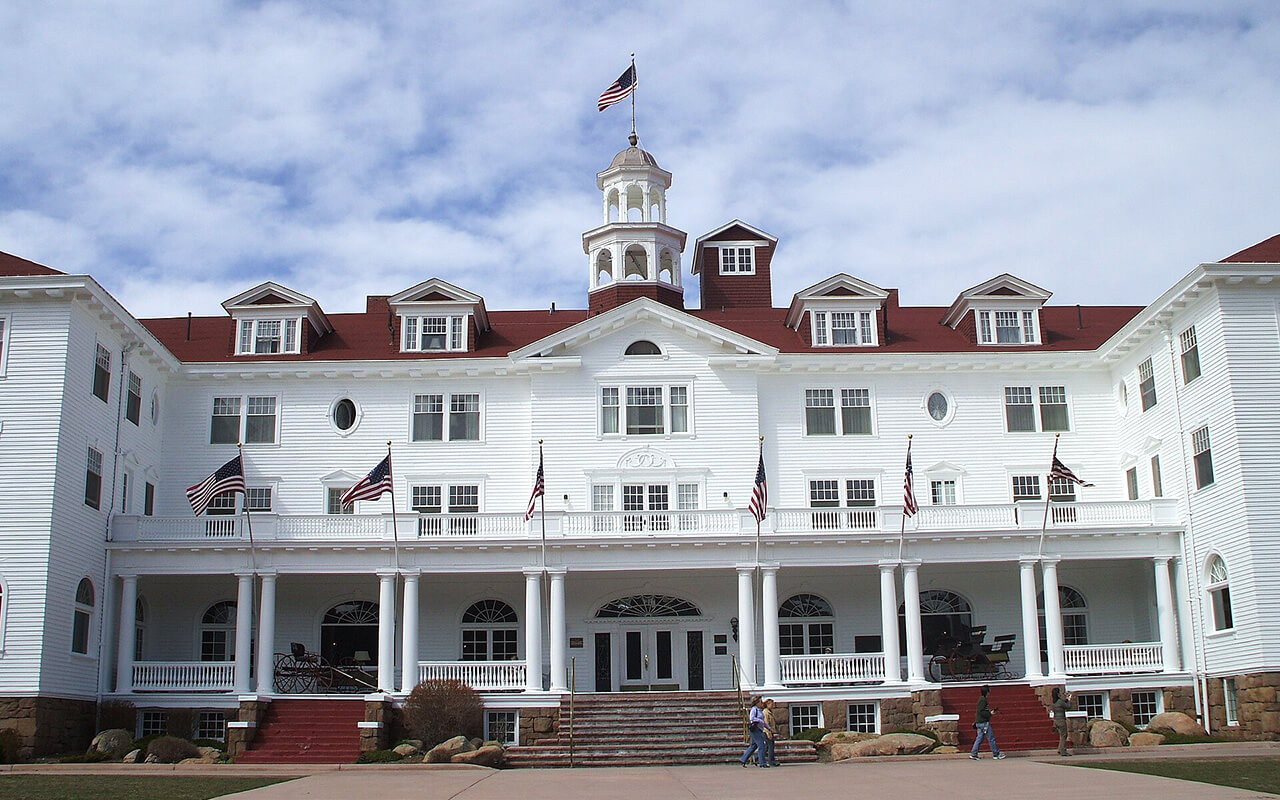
{"type": "Point", "coordinates": [182, 152]}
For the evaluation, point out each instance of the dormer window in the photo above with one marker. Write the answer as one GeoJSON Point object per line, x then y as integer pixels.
{"type": "Point", "coordinates": [844, 328]}
{"type": "Point", "coordinates": [268, 336]}
{"type": "Point", "coordinates": [434, 334]}
{"type": "Point", "coordinates": [737, 260]}
{"type": "Point", "coordinates": [1008, 327]}
{"type": "Point", "coordinates": [269, 321]}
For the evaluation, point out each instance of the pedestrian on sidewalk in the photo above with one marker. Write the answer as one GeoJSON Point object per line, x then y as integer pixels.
{"type": "Point", "coordinates": [1061, 705]}
{"type": "Point", "coordinates": [770, 734]}
{"type": "Point", "coordinates": [982, 724]}
{"type": "Point", "coordinates": [756, 728]}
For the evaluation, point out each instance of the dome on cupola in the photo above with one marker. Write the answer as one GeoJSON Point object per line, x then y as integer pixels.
{"type": "Point", "coordinates": [634, 157]}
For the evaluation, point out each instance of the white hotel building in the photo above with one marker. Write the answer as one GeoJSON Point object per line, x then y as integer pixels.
{"type": "Point", "coordinates": [1159, 583]}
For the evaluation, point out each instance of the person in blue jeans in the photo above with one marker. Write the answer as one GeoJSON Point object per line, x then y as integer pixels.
{"type": "Point", "coordinates": [982, 722]}
{"type": "Point", "coordinates": [756, 726]}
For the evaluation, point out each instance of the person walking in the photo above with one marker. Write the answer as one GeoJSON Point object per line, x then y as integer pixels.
{"type": "Point", "coordinates": [982, 723]}
{"type": "Point", "coordinates": [1061, 705]}
{"type": "Point", "coordinates": [770, 734]}
{"type": "Point", "coordinates": [756, 728]}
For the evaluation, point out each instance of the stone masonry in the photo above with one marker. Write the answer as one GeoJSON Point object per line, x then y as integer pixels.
{"type": "Point", "coordinates": [1257, 707]}
{"type": "Point", "coordinates": [49, 725]}
{"type": "Point", "coordinates": [538, 723]}
{"type": "Point", "coordinates": [238, 739]}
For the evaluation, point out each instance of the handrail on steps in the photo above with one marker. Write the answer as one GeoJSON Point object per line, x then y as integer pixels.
{"type": "Point", "coordinates": [742, 709]}
{"type": "Point", "coordinates": [573, 680]}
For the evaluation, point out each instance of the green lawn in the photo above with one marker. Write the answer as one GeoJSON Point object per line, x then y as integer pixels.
{"type": "Point", "coordinates": [124, 787]}
{"type": "Point", "coordinates": [1257, 774]}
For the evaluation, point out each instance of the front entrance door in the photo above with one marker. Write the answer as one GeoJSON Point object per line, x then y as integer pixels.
{"type": "Point", "coordinates": [649, 659]}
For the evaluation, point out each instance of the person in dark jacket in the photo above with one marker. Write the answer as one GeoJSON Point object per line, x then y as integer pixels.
{"type": "Point", "coordinates": [1061, 705]}
{"type": "Point", "coordinates": [982, 723]}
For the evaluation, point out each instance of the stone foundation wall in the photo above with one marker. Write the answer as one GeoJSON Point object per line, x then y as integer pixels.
{"type": "Point", "coordinates": [379, 738]}
{"type": "Point", "coordinates": [538, 723]}
{"type": "Point", "coordinates": [238, 739]}
{"type": "Point", "coordinates": [1257, 707]}
{"type": "Point", "coordinates": [49, 725]}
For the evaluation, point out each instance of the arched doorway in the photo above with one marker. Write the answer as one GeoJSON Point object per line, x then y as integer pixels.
{"type": "Point", "coordinates": [349, 634]}
{"type": "Point", "coordinates": [943, 615]}
{"type": "Point", "coordinates": [656, 645]}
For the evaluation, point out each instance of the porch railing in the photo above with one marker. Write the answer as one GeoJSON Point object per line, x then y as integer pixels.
{"type": "Point", "coordinates": [832, 668]}
{"type": "Point", "coordinates": [483, 676]}
{"type": "Point", "coordinates": [625, 523]}
{"type": "Point", "coordinates": [183, 676]}
{"type": "Point", "coordinates": [1112, 659]}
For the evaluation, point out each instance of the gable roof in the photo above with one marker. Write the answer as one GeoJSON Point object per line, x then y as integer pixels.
{"type": "Point", "coordinates": [438, 290]}
{"type": "Point", "coordinates": [13, 266]}
{"type": "Point", "coordinates": [697, 244]}
{"type": "Point", "coordinates": [1265, 252]}
{"type": "Point", "coordinates": [1000, 287]}
{"type": "Point", "coordinates": [270, 294]}
{"type": "Point", "coordinates": [838, 286]}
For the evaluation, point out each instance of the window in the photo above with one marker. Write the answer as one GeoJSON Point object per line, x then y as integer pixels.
{"type": "Point", "coordinates": [217, 632]}
{"type": "Point", "coordinates": [804, 717]}
{"type": "Point", "coordinates": [608, 410]}
{"type": "Point", "coordinates": [124, 492]}
{"type": "Point", "coordinates": [260, 422]}
{"type": "Point", "coordinates": [133, 403]}
{"type": "Point", "coordinates": [101, 373]}
{"type": "Point", "coordinates": [333, 501]}
{"type": "Point", "coordinates": [806, 626]}
{"type": "Point", "coordinates": [149, 499]}
{"type": "Point", "coordinates": [4, 344]}
{"type": "Point", "coordinates": [426, 499]}
{"type": "Point", "coordinates": [737, 260]}
{"type": "Point", "coordinates": [942, 492]}
{"type": "Point", "coordinates": [222, 505]}
{"type": "Point", "coordinates": [502, 727]}
{"type": "Point", "coordinates": [1157, 485]}
{"type": "Point", "coordinates": [489, 631]}
{"type": "Point", "coordinates": [155, 408]}
{"type": "Point", "coordinates": [1053, 408]}
{"type": "Point", "coordinates": [429, 418]}
{"type": "Point", "coordinates": [1020, 411]}
{"type": "Point", "coordinates": [650, 410]}
{"type": "Point", "coordinates": [859, 493]}
{"type": "Point", "coordinates": [262, 337]}
{"type": "Point", "coordinates": [687, 499]}
{"type": "Point", "coordinates": [1190, 355]}
{"type": "Point", "coordinates": [82, 618]}
{"type": "Point", "coordinates": [464, 417]}
{"type": "Point", "coordinates": [1026, 487]}
{"type": "Point", "coordinates": [154, 723]}
{"type": "Point", "coordinates": [429, 501]}
{"type": "Point", "coordinates": [855, 412]}
{"type": "Point", "coordinates": [1203, 457]}
{"type": "Point", "coordinates": [642, 347]}
{"type": "Point", "coordinates": [93, 480]}
{"type": "Point", "coordinates": [225, 425]}
{"type": "Point", "coordinates": [1093, 704]}
{"type": "Point", "coordinates": [1010, 327]}
{"type": "Point", "coordinates": [679, 409]}
{"type": "Point", "coordinates": [1075, 629]}
{"type": "Point", "coordinates": [1147, 384]}
{"type": "Point", "coordinates": [863, 718]}
{"type": "Point", "coordinates": [1219, 594]}
{"type": "Point", "coordinates": [258, 426]}
{"type": "Point", "coordinates": [434, 334]}
{"type": "Point", "coordinates": [644, 410]}
{"type": "Point", "coordinates": [843, 328]}
{"type": "Point", "coordinates": [258, 498]}
{"type": "Point", "coordinates": [825, 494]}
{"type": "Point", "coordinates": [1229, 701]}
{"type": "Point", "coordinates": [1146, 705]}
{"type": "Point", "coordinates": [653, 497]}
{"type": "Point", "coordinates": [820, 413]}
{"type": "Point", "coordinates": [1008, 331]}
{"type": "Point", "coordinates": [211, 725]}
{"type": "Point", "coordinates": [1131, 482]}
{"type": "Point", "coordinates": [344, 415]}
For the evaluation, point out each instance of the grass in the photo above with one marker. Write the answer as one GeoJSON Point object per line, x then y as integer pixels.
{"type": "Point", "coordinates": [124, 787]}
{"type": "Point", "coordinates": [1256, 774]}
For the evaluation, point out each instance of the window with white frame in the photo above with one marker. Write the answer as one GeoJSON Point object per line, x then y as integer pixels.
{"type": "Point", "coordinates": [942, 492]}
{"type": "Point", "coordinates": [217, 632]}
{"type": "Point", "coordinates": [650, 410]}
{"type": "Point", "coordinates": [124, 492]}
{"type": "Point", "coordinates": [256, 425]}
{"type": "Point", "coordinates": [1203, 457]}
{"type": "Point", "coordinates": [1147, 384]}
{"type": "Point", "coordinates": [864, 717]}
{"type": "Point", "coordinates": [1219, 592]}
{"type": "Point", "coordinates": [1157, 483]}
{"type": "Point", "coordinates": [222, 505]}
{"type": "Point", "coordinates": [1131, 483]}
{"type": "Point", "coordinates": [1008, 327]}
{"type": "Point", "coordinates": [333, 501]}
{"type": "Point", "coordinates": [804, 716]}
{"type": "Point", "coordinates": [434, 333]}
{"type": "Point", "coordinates": [645, 506]}
{"type": "Point", "coordinates": [1229, 701]}
{"type": "Point", "coordinates": [1093, 704]}
{"type": "Point", "coordinates": [4, 344]}
{"type": "Point", "coordinates": [1053, 408]}
{"type": "Point", "coordinates": [93, 479]}
{"type": "Point", "coordinates": [688, 498]}
{"type": "Point", "coordinates": [133, 400]}
{"type": "Point", "coordinates": [1075, 619]}
{"type": "Point", "coordinates": [436, 421]}
{"type": "Point", "coordinates": [859, 493]}
{"type": "Point", "coordinates": [154, 723]}
{"type": "Point", "coordinates": [258, 498]}
{"type": "Point", "coordinates": [429, 500]}
{"type": "Point", "coordinates": [843, 328]}
{"type": "Point", "coordinates": [211, 725]}
{"type": "Point", "coordinates": [1020, 409]}
{"type": "Point", "coordinates": [149, 499]}
{"type": "Point", "coordinates": [1146, 705]}
{"type": "Point", "coordinates": [489, 630]}
{"type": "Point", "coordinates": [736, 260]}
{"type": "Point", "coordinates": [101, 373]}
{"type": "Point", "coordinates": [1026, 487]}
{"type": "Point", "coordinates": [854, 419]}
{"type": "Point", "coordinates": [806, 626]}
{"type": "Point", "coordinates": [1190, 355]}
{"type": "Point", "coordinates": [82, 617]}
{"type": "Point", "coordinates": [260, 337]}
{"type": "Point", "coordinates": [502, 726]}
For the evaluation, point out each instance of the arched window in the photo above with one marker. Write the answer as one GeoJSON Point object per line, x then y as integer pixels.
{"type": "Point", "coordinates": [614, 206]}
{"type": "Point", "coordinates": [83, 617]}
{"type": "Point", "coordinates": [643, 347]}
{"type": "Point", "coordinates": [944, 615]}
{"type": "Point", "coordinates": [635, 204]}
{"type": "Point", "coordinates": [655, 206]}
{"type": "Point", "coordinates": [1075, 629]}
{"type": "Point", "coordinates": [648, 605]}
{"type": "Point", "coordinates": [667, 267]}
{"type": "Point", "coordinates": [809, 628]}
{"type": "Point", "coordinates": [635, 264]}
{"type": "Point", "coordinates": [349, 633]}
{"type": "Point", "coordinates": [1219, 593]}
{"type": "Point", "coordinates": [604, 268]}
{"type": "Point", "coordinates": [489, 631]}
{"type": "Point", "coordinates": [218, 632]}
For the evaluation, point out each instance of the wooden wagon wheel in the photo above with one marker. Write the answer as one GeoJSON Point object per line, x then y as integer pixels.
{"type": "Point", "coordinates": [939, 668]}
{"type": "Point", "coordinates": [287, 674]}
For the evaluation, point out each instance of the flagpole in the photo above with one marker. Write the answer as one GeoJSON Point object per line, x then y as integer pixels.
{"type": "Point", "coordinates": [635, 80]}
{"type": "Point", "coordinates": [902, 531]}
{"type": "Point", "coordinates": [395, 534]}
{"type": "Point", "coordinates": [1048, 483]}
{"type": "Point", "coordinates": [248, 518]}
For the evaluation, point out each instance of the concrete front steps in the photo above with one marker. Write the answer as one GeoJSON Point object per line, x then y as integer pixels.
{"type": "Point", "coordinates": [1023, 722]}
{"type": "Point", "coordinates": [307, 732]}
{"type": "Point", "coordinates": [648, 728]}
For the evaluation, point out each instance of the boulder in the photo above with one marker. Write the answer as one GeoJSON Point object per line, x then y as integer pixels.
{"type": "Point", "coordinates": [133, 756]}
{"type": "Point", "coordinates": [844, 737]}
{"type": "Point", "coordinates": [415, 742]}
{"type": "Point", "coordinates": [1145, 739]}
{"type": "Point", "coordinates": [477, 743]}
{"type": "Point", "coordinates": [1107, 733]}
{"type": "Point", "coordinates": [115, 742]}
{"type": "Point", "coordinates": [945, 749]}
{"type": "Point", "coordinates": [151, 759]}
{"type": "Point", "coordinates": [488, 756]}
{"type": "Point", "coordinates": [1177, 722]}
{"type": "Point", "coordinates": [211, 753]}
{"type": "Point", "coordinates": [894, 744]}
{"type": "Point", "coordinates": [446, 750]}
{"type": "Point", "coordinates": [405, 750]}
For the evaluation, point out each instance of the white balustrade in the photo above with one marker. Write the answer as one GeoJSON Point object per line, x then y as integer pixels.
{"type": "Point", "coordinates": [1113, 659]}
{"type": "Point", "coordinates": [183, 676]}
{"type": "Point", "coordinates": [833, 519]}
{"type": "Point", "coordinates": [832, 668]}
{"type": "Point", "coordinates": [483, 676]}
{"type": "Point", "coordinates": [967, 518]}
{"type": "Point", "coordinates": [470, 526]}
{"type": "Point", "coordinates": [649, 523]}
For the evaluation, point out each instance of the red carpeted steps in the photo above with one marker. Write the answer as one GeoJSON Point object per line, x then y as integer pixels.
{"type": "Point", "coordinates": [307, 732]}
{"type": "Point", "coordinates": [649, 728]}
{"type": "Point", "coordinates": [1023, 722]}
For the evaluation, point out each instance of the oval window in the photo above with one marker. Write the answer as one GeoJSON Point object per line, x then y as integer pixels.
{"type": "Point", "coordinates": [344, 414]}
{"type": "Point", "coordinates": [938, 406]}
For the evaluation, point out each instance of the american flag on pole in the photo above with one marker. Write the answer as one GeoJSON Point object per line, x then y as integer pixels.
{"type": "Point", "coordinates": [759, 493]}
{"type": "Point", "coordinates": [1059, 472]}
{"type": "Point", "coordinates": [909, 505]}
{"type": "Point", "coordinates": [619, 89]}
{"type": "Point", "coordinates": [539, 489]}
{"type": "Point", "coordinates": [371, 486]}
{"type": "Point", "coordinates": [227, 478]}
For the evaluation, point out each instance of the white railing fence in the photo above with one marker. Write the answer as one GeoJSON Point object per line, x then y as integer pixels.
{"type": "Point", "coordinates": [1112, 659]}
{"type": "Point", "coordinates": [183, 676]}
{"type": "Point", "coordinates": [490, 676]}
{"type": "Point", "coordinates": [832, 668]}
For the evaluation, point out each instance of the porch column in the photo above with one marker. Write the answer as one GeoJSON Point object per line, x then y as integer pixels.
{"type": "Point", "coordinates": [267, 635]}
{"type": "Point", "coordinates": [746, 627]}
{"type": "Point", "coordinates": [387, 630]}
{"type": "Point", "coordinates": [558, 634]}
{"type": "Point", "coordinates": [244, 631]}
{"type": "Point", "coordinates": [1168, 621]}
{"type": "Point", "coordinates": [409, 634]}
{"type": "Point", "coordinates": [128, 632]}
{"type": "Point", "coordinates": [911, 599]}
{"type": "Point", "coordinates": [1053, 618]}
{"type": "Point", "coordinates": [769, 617]}
{"type": "Point", "coordinates": [889, 622]}
{"type": "Point", "coordinates": [1030, 623]}
{"type": "Point", "coordinates": [533, 629]}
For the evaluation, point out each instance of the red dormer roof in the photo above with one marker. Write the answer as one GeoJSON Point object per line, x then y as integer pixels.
{"type": "Point", "coordinates": [1265, 252]}
{"type": "Point", "coordinates": [11, 265]}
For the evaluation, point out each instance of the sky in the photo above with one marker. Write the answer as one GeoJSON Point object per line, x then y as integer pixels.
{"type": "Point", "coordinates": [184, 152]}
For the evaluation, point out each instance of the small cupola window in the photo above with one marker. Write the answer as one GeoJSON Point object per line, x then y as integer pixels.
{"type": "Point", "coordinates": [643, 347]}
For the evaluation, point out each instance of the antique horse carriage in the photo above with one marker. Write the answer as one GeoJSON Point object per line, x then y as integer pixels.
{"type": "Point", "coordinates": [302, 672]}
{"type": "Point", "coordinates": [966, 657]}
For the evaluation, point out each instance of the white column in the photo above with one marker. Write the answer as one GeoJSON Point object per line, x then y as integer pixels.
{"type": "Point", "coordinates": [267, 635]}
{"type": "Point", "coordinates": [769, 617]}
{"type": "Point", "coordinates": [409, 634]}
{"type": "Point", "coordinates": [128, 632]}
{"type": "Point", "coordinates": [746, 627]}
{"type": "Point", "coordinates": [533, 629]}
{"type": "Point", "coordinates": [1053, 618]}
{"type": "Point", "coordinates": [911, 600]}
{"type": "Point", "coordinates": [244, 631]}
{"type": "Point", "coordinates": [889, 622]}
{"type": "Point", "coordinates": [558, 634]}
{"type": "Point", "coordinates": [387, 630]}
{"type": "Point", "coordinates": [1168, 619]}
{"type": "Point", "coordinates": [1030, 621]}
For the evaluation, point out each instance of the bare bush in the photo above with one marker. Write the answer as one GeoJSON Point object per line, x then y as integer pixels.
{"type": "Point", "coordinates": [439, 710]}
{"type": "Point", "coordinates": [171, 749]}
{"type": "Point", "coordinates": [117, 714]}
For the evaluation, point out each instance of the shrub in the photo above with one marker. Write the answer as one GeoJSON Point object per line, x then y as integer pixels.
{"type": "Point", "coordinates": [145, 742]}
{"type": "Point", "coordinates": [439, 710]}
{"type": "Point", "coordinates": [91, 757]}
{"type": "Point", "coordinates": [171, 749]}
{"type": "Point", "coordinates": [180, 722]}
{"type": "Point", "coordinates": [216, 744]}
{"type": "Point", "coordinates": [117, 714]}
{"type": "Point", "coordinates": [812, 734]}
{"type": "Point", "coordinates": [378, 757]}
{"type": "Point", "coordinates": [10, 746]}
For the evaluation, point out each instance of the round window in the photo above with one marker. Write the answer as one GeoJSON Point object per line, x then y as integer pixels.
{"type": "Point", "coordinates": [344, 414]}
{"type": "Point", "coordinates": [938, 406]}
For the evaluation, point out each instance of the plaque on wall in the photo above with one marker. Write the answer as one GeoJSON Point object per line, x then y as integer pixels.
{"type": "Point", "coordinates": [575, 641]}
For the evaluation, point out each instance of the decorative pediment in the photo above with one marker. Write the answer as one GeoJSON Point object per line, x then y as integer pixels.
{"type": "Point", "coordinates": [839, 292]}
{"type": "Point", "coordinates": [435, 294]}
{"type": "Point", "coordinates": [945, 468]}
{"type": "Point", "coordinates": [1002, 291]}
{"type": "Point", "coordinates": [645, 458]}
{"type": "Point", "coordinates": [269, 294]}
{"type": "Point", "coordinates": [268, 319]}
{"type": "Point", "coordinates": [747, 232]}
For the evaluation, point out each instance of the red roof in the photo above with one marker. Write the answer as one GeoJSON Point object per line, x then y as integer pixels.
{"type": "Point", "coordinates": [1265, 252]}
{"type": "Point", "coordinates": [11, 265]}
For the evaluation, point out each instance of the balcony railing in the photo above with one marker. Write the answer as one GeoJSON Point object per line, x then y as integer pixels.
{"type": "Point", "coordinates": [832, 668]}
{"type": "Point", "coordinates": [1113, 659]}
{"type": "Point", "coordinates": [483, 676]}
{"type": "Point", "coordinates": [183, 676]}
{"type": "Point", "coordinates": [868, 520]}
